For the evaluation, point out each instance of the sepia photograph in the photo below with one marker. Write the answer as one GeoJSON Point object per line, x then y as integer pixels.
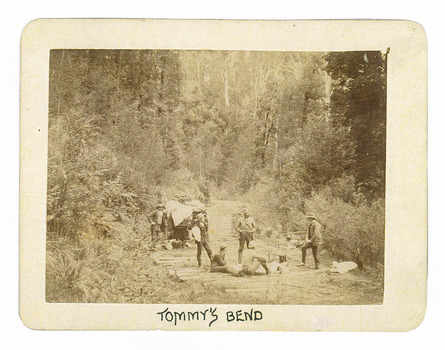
{"type": "Point", "coordinates": [238, 177]}
{"type": "Point", "coordinates": [223, 175]}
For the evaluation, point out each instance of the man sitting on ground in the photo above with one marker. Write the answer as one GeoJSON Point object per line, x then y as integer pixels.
{"type": "Point", "coordinates": [252, 260]}
{"type": "Point", "coordinates": [219, 263]}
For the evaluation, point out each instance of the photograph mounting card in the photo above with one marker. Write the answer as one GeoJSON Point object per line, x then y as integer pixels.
{"type": "Point", "coordinates": [223, 175]}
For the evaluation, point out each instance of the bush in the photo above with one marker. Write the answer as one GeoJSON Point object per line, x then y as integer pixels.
{"type": "Point", "coordinates": [344, 188]}
{"type": "Point", "coordinates": [264, 203]}
{"type": "Point", "coordinates": [74, 272]}
{"type": "Point", "coordinates": [183, 182]}
{"type": "Point", "coordinates": [350, 226]}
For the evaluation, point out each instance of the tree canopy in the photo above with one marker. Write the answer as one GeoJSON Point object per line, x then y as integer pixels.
{"type": "Point", "coordinates": [213, 124]}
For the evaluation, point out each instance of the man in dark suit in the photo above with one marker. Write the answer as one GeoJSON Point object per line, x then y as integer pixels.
{"type": "Point", "coordinates": [313, 240]}
{"type": "Point", "coordinates": [158, 220]}
{"type": "Point", "coordinates": [219, 263]}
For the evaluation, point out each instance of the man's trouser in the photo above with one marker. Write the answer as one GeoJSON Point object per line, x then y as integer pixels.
{"type": "Point", "coordinates": [156, 232]}
{"type": "Point", "coordinates": [314, 253]}
{"type": "Point", "coordinates": [257, 262]}
{"type": "Point", "coordinates": [244, 238]}
{"type": "Point", "coordinates": [204, 243]}
{"type": "Point", "coordinates": [219, 268]}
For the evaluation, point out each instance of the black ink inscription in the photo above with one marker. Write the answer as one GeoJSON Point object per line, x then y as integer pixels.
{"type": "Point", "coordinates": [175, 316]}
{"type": "Point", "coordinates": [242, 316]}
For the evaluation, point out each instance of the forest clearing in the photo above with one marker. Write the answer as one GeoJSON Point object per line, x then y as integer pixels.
{"type": "Point", "coordinates": [137, 274]}
{"type": "Point", "coordinates": [281, 133]}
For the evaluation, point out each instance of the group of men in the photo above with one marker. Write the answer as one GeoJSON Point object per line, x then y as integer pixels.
{"type": "Point", "coordinates": [246, 229]}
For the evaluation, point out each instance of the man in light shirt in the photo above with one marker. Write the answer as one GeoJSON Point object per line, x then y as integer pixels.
{"type": "Point", "coordinates": [246, 227]}
{"type": "Point", "coordinates": [253, 259]}
{"type": "Point", "coordinates": [202, 236]}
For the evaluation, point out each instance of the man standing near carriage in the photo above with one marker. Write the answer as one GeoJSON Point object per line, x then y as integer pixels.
{"type": "Point", "coordinates": [158, 221]}
{"type": "Point", "coordinates": [200, 233]}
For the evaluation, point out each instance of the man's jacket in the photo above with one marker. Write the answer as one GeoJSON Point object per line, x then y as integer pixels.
{"type": "Point", "coordinates": [314, 233]}
{"type": "Point", "coordinates": [219, 260]}
{"type": "Point", "coordinates": [157, 217]}
{"type": "Point", "coordinates": [203, 228]}
{"type": "Point", "coordinates": [246, 225]}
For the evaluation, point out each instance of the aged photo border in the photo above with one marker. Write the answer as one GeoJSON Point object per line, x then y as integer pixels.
{"type": "Point", "coordinates": [405, 267]}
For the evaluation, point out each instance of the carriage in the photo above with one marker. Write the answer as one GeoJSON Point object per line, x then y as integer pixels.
{"type": "Point", "coordinates": [179, 216]}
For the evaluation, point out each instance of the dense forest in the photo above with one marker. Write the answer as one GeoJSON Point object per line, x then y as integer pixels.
{"type": "Point", "coordinates": [285, 132]}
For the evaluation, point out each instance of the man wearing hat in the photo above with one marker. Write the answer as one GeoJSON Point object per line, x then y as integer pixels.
{"type": "Point", "coordinates": [313, 240]}
{"type": "Point", "coordinates": [201, 236]}
{"type": "Point", "coordinates": [246, 227]}
{"type": "Point", "coordinates": [219, 263]}
{"type": "Point", "coordinates": [197, 211]}
{"type": "Point", "coordinates": [158, 219]}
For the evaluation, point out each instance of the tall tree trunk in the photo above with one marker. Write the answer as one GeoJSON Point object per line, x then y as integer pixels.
{"type": "Point", "coordinates": [161, 90]}
{"type": "Point", "coordinates": [226, 80]}
{"type": "Point", "coordinates": [277, 128]}
{"type": "Point", "coordinates": [305, 108]}
{"type": "Point", "coordinates": [60, 83]}
{"type": "Point", "coordinates": [255, 96]}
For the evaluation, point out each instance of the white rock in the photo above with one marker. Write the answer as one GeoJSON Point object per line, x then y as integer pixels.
{"type": "Point", "coordinates": [342, 267]}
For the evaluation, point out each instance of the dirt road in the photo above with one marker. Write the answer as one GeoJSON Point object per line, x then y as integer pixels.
{"type": "Point", "coordinates": [300, 285]}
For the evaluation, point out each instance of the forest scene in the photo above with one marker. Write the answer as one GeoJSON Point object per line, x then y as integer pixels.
{"type": "Point", "coordinates": [280, 133]}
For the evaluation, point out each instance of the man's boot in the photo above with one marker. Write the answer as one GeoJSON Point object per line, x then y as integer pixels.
{"type": "Point", "coordinates": [199, 261]}
{"type": "Point", "coordinates": [240, 256]}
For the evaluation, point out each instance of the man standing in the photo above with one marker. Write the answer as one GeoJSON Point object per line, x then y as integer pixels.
{"type": "Point", "coordinates": [313, 240]}
{"type": "Point", "coordinates": [200, 233]}
{"type": "Point", "coordinates": [245, 227]}
{"type": "Point", "coordinates": [202, 211]}
{"type": "Point", "coordinates": [157, 219]}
